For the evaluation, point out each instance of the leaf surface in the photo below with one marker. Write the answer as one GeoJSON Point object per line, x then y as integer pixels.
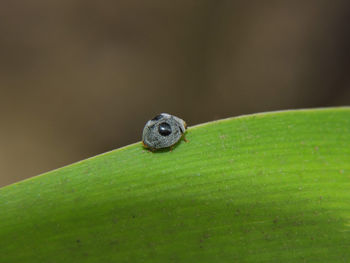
{"type": "Point", "coordinates": [269, 187]}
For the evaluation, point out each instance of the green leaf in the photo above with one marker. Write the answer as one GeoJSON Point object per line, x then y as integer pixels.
{"type": "Point", "coordinates": [270, 187]}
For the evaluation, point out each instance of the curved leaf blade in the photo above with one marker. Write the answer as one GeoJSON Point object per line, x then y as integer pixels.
{"type": "Point", "coordinates": [272, 187]}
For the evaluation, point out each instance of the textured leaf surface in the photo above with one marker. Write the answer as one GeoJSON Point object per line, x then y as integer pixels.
{"type": "Point", "coordinates": [271, 187]}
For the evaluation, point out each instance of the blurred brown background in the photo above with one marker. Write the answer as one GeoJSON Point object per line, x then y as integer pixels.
{"type": "Point", "coordinates": [79, 78]}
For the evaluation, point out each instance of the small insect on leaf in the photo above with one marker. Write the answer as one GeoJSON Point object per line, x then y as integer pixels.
{"type": "Point", "coordinates": [163, 131]}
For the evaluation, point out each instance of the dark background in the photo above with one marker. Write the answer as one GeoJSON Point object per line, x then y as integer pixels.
{"type": "Point", "coordinates": [78, 78]}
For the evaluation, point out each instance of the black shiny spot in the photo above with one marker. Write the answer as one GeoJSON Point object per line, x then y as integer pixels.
{"type": "Point", "coordinates": [164, 129]}
{"type": "Point", "coordinates": [158, 117]}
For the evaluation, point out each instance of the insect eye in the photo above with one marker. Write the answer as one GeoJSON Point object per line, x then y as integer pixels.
{"type": "Point", "coordinates": [164, 129]}
{"type": "Point", "coordinates": [158, 117]}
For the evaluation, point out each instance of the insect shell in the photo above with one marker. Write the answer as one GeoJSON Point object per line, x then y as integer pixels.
{"type": "Point", "coordinates": [163, 131]}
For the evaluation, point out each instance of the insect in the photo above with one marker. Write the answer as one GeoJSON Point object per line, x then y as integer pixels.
{"type": "Point", "coordinates": [163, 131]}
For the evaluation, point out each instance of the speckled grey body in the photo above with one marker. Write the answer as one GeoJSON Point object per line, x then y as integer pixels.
{"type": "Point", "coordinates": [163, 131]}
